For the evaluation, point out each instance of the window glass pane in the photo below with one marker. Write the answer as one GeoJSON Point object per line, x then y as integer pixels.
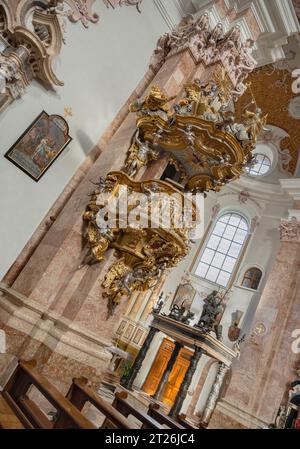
{"type": "Point", "coordinates": [235, 220]}
{"type": "Point", "coordinates": [213, 242]}
{"type": "Point", "coordinates": [229, 232]}
{"type": "Point", "coordinates": [224, 218]}
{"type": "Point", "coordinates": [201, 269]}
{"type": "Point", "coordinates": [229, 264]}
{"type": "Point", "coordinates": [240, 236]}
{"type": "Point", "coordinates": [264, 169]}
{"type": "Point", "coordinates": [223, 249]}
{"type": "Point", "coordinates": [261, 166]}
{"type": "Point", "coordinates": [212, 274]}
{"type": "Point", "coordinates": [260, 157]}
{"type": "Point", "coordinates": [219, 229]}
{"type": "Point", "coordinates": [234, 250]}
{"type": "Point", "coordinates": [218, 260]}
{"type": "Point", "coordinates": [223, 278]}
{"type": "Point", "coordinates": [224, 246]}
{"type": "Point", "coordinates": [207, 256]}
{"type": "Point", "coordinates": [243, 225]}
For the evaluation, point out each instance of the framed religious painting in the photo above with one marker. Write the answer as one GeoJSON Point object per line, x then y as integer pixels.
{"type": "Point", "coordinates": [185, 293]}
{"type": "Point", "coordinates": [40, 145]}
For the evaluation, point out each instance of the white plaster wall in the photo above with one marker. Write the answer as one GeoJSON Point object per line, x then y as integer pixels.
{"type": "Point", "coordinates": [269, 203]}
{"type": "Point", "coordinates": [100, 66]}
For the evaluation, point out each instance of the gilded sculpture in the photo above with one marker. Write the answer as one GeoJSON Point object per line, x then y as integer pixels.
{"type": "Point", "coordinates": [143, 253]}
{"type": "Point", "coordinates": [201, 137]}
{"type": "Point", "coordinates": [199, 132]}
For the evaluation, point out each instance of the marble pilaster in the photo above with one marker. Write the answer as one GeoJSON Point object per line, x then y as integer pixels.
{"type": "Point", "coordinates": [128, 381]}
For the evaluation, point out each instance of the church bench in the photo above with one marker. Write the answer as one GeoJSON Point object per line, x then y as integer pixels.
{"type": "Point", "coordinates": [8, 419]}
{"type": "Point", "coordinates": [127, 409]}
{"type": "Point", "coordinates": [182, 420]}
{"type": "Point", "coordinates": [155, 412]}
{"type": "Point", "coordinates": [79, 394]}
{"type": "Point", "coordinates": [29, 413]}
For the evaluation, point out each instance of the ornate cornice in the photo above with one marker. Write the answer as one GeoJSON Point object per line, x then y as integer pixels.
{"type": "Point", "coordinates": [209, 45]}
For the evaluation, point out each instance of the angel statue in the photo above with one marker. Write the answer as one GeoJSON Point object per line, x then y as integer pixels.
{"type": "Point", "coordinates": [139, 154]}
{"type": "Point", "coordinates": [255, 122]}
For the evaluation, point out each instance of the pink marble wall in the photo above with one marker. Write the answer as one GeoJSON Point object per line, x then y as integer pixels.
{"type": "Point", "coordinates": [48, 271]}
{"type": "Point", "coordinates": [261, 376]}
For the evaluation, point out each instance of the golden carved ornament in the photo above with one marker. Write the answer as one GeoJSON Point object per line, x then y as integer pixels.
{"type": "Point", "coordinates": [143, 252]}
{"type": "Point", "coordinates": [200, 133]}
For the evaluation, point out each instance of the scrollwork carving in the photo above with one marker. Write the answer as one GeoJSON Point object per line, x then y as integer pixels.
{"type": "Point", "coordinates": [114, 3]}
{"type": "Point", "coordinates": [143, 252]}
{"type": "Point", "coordinates": [207, 146]}
{"type": "Point", "coordinates": [209, 46]}
{"type": "Point", "coordinates": [290, 230]}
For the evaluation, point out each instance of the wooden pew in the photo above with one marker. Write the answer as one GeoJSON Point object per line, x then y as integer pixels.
{"type": "Point", "coordinates": [15, 394]}
{"type": "Point", "coordinates": [155, 412]}
{"type": "Point", "coordinates": [127, 409]}
{"type": "Point", "coordinates": [182, 420]}
{"type": "Point", "coordinates": [8, 419]}
{"type": "Point", "coordinates": [79, 394]}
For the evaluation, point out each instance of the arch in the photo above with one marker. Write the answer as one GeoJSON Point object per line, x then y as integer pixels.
{"type": "Point", "coordinates": [26, 6]}
{"type": "Point", "coordinates": [223, 248]}
{"type": "Point", "coordinates": [6, 15]}
{"type": "Point", "coordinates": [252, 278]}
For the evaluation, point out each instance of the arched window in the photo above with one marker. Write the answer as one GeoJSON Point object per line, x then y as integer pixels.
{"type": "Point", "coordinates": [223, 249]}
{"type": "Point", "coordinates": [252, 278]}
{"type": "Point", "coordinates": [261, 165]}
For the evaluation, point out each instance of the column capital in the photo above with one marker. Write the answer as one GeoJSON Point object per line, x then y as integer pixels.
{"type": "Point", "coordinates": [290, 230]}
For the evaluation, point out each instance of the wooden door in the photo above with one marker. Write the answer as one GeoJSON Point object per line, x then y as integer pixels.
{"type": "Point", "coordinates": [158, 366]}
{"type": "Point", "coordinates": [171, 389]}
{"type": "Point", "coordinates": [176, 376]}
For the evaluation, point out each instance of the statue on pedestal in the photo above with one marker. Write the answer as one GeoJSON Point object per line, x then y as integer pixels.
{"type": "Point", "coordinates": [212, 311]}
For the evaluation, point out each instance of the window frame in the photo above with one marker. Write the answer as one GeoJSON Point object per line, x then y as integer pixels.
{"type": "Point", "coordinates": [259, 174]}
{"type": "Point", "coordinates": [244, 273]}
{"type": "Point", "coordinates": [204, 244]}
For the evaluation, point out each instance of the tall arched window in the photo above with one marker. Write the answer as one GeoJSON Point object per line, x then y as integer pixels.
{"type": "Point", "coordinates": [223, 249]}
{"type": "Point", "coordinates": [252, 278]}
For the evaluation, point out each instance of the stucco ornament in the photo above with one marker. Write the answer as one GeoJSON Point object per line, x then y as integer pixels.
{"type": "Point", "coordinates": [290, 230]}
{"type": "Point", "coordinates": [209, 45]}
{"type": "Point", "coordinates": [80, 10]}
{"type": "Point", "coordinates": [114, 3]}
